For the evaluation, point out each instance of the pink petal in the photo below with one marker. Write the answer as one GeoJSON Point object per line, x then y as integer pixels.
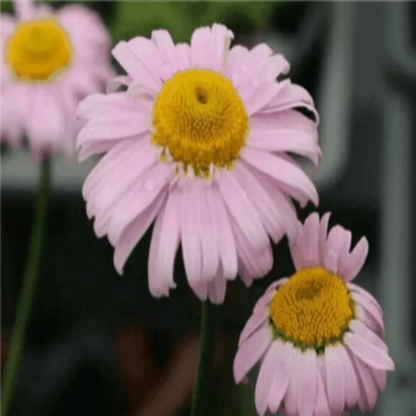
{"type": "Point", "coordinates": [117, 126]}
{"type": "Point", "coordinates": [264, 300]}
{"type": "Point", "coordinates": [290, 96]}
{"type": "Point", "coordinates": [335, 381]}
{"type": "Point", "coordinates": [307, 383]}
{"type": "Point", "coordinates": [132, 64]}
{"type": "Point", "coordinates": [250, 352]}
{"type": "Point", "coordinates": [200, 44]}
{"type": "Point", "coordinates": [221, 40]}
{"type": "Point", "coordinates": [280, 381]}
{"type": "Point", "coordinates": [309, 241]}
{"type": "Point", "coordinates": [260, 98]}
{"type": "Point", "coordinates": [248, 69]}
{"type": "Point", "coordinates": [352, 392]}
{"type": "Point", "coordinates": [209, 247]}
{"type": "Point", "coordinates": [336, 240]}
{"type": "Point", "coordinates": [191, 240]}
{"type": "Point", "coordinates": [217, 287]}
{"type": "Point", "coordinates": [164, 246]}
{"type": "Point", "coordinates": [134, 233]}
{"type": "Point", "coordinates": [290, 176]}
{"type": "Point", "coordinates": [96, 105]}
{"type": "Point", "coordinates": [82, 24]}
{"type": "Point", "coordinates": [321, 405]}
{"type": "Point", "coordinates": [323, 229]}
{"type": "Point", "coordinates": [115, 83]}
{"type": "Point", "coordinates": [291, 397]}
{"type": "Point", "coordinates": [150, 58]}
{"type": "Point", "coordinates": [288, 120]}
{"type": "Point", "coordinates": [115, 180]}
{"type": "Point", "coordinates": [257, 264]}
{"type": "Point", "coordinates": [363, 331]}
{"type": "Point", "coordinates": [256, 320]}
{"type": "Point", "coordinates": [268, 369]}
{"type": "Point", "coordinates": [268, 212]}
{"type": "Point", "coordinates": [112, 160]}
{"type": "Point", "coordinates": [243, 211]}
{"type": "Point", "coordinates": [368, 389]}
{"type": "Point", "coordinates": [223, 233]}
{"type": "Point", "coordinates": [164, 43]}
{"type": "Point", "coordinates": [24, 9]}
{"type": "Point", "coordinates": [183, 56]}
{"type": "Point", "coordinates": [150, 185]}
{"type": "Point", "coordinates": [285, 140]}
{"type": "Point", "coordinates": [368, 352]}
{"type": "Point", "coordinates": [367, 296]}
{"type": "Point", "coordinates": [237, 55]}
{"type": "Point", "coordinates": [285, 205]}
{"type": "Point", "coordinates": [355, 260]}
{"type": "Point", "coordinates": [369, 314]}
{"type": "Point", "coordinates": [46, 124]}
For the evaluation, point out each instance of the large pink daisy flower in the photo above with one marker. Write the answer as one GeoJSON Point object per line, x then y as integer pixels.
{"type": "Point", "coordinates": [318, 336]}
{"type": "Point", "coordinates": [50, 61]}
{"type": "Point", "coordinates": [199, 142]}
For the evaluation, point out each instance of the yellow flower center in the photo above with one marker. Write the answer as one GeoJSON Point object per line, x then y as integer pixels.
{"type": "Point", "coordinates": [38, 49]}
{"type": "Point", "coordinates": [199, 119]}
{"type": "Point", "coordinates": [312, 309]}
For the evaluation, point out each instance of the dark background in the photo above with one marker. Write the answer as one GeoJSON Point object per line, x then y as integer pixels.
{"type": "Point", "coordinates": [99, 343]}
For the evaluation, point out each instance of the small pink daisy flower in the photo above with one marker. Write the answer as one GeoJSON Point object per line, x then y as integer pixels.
{"type": "Point", "coordinates": [50, 61]}
{"type": "Point", "coordinates": [199, 141]}
{"type": "Point", "coordinates": [318, 336]}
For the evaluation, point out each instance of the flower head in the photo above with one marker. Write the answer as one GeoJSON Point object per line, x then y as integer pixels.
{"type": "Point", "coordinates": [318, 336]}
{"type": "Point", "coordinates": [50, 61]}
{"type": "Point", "coordinates": [199, 141]}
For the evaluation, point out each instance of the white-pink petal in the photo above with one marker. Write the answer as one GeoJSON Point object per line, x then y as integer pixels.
{"type": "Point", "coordinates": [250, 352]}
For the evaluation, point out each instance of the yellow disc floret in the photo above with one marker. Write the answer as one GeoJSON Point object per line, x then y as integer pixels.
{"type": "Point", "coordinates": [38, 50]}
{"type": "Point", "coordinates": [199, 119]}
{"type": "Point", "coordinates": [312, 309]}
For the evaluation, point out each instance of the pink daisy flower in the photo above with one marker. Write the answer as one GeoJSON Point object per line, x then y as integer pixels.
{"type": "Point", "coordinates": [319, 337]}
{"type": "Point", "coordinates": [50, 61]}
{"type": "Point", "coordinates": [199, 142]}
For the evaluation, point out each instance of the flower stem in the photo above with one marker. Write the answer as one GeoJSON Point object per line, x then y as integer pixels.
{"type": "Point", "coordinates": [205, 362]}
{"type": "Point", "coordinates": [27, 290]}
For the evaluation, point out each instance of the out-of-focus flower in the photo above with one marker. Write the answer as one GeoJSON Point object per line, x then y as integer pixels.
{"type": "Point", "coordinates": [319, 337]}
{"type": "Point", "coordinates": [199, 141]}
{"type": "Point", "coordinates": [50, 61]}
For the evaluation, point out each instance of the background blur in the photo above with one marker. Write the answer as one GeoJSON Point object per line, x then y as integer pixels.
{"type": "Point", "coordinates": [99, 344]}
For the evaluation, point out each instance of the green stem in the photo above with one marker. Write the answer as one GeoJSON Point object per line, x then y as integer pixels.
{"type": "Point", "coordinates": [27, 291]}
{"type": "Point", "coordinates": [205, 362]}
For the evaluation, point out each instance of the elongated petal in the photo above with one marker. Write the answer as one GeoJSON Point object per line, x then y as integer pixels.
{"type": "Point", "coordinates": [368, 353]}
{"type": "Point", "coordinates": [250, 352]}
{"type": "Point", "coordinates": [243, 211]}
{"type": "Point", "coordinates": [286, 173]}
{"type": "Point", "coordinates": [335, 380]}
{"type": "Point", "coordinates": [223, 233]}
{"type": "Point", "coordinates": [307, 383]}
{"type": "Point", "coordinates": [164, 246]}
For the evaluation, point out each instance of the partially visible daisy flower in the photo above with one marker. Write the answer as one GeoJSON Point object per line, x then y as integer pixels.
{"type": "Point", "coordinates": [319, 337]}
{"type": "Point", "coordinates": [50, 61]}
{"type": "Point", "coordinates": [199, 141]}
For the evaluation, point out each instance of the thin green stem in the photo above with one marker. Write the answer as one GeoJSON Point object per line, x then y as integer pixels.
{"type": "Point", "coordinates": [205, 362]}
{"type": "Point", "coordinates": [27, 290]}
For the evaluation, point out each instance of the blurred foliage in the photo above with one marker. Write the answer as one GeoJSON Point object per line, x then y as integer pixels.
{"type": "Point", "coordinates": [126, 19]}
{"type": "Point", "coordinates": [181, 18]}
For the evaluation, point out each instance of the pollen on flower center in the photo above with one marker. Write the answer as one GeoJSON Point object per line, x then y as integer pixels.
{"type": "Point", "coordinates": [38, 49]}
{"type": "Point", "coordinates": [200, 120]}
{"type": "Point", "coordinates": [312, 309]}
